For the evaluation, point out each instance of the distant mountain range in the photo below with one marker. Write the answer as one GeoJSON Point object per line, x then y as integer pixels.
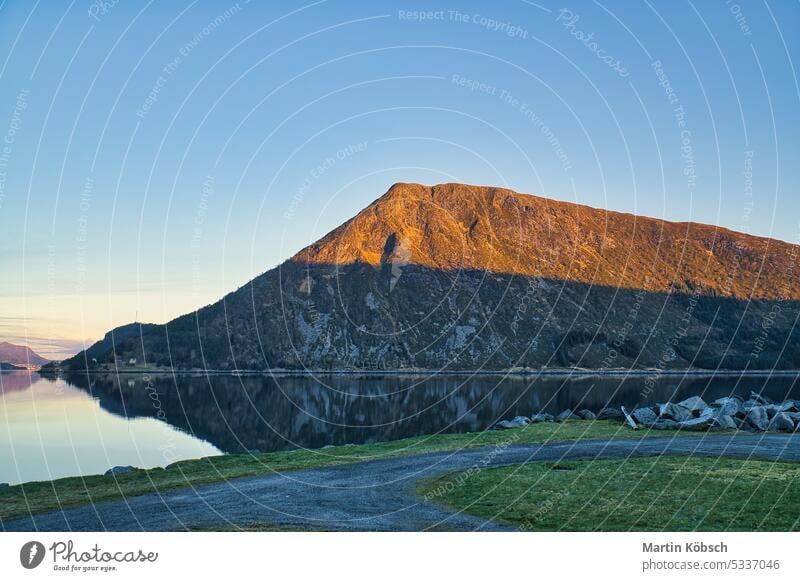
{"type": "Point", "coordinates": [459, 277]}
{"type": "Point", "coordinates": [20, 356]}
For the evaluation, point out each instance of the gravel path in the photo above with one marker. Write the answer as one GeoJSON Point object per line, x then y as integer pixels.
{"type": "Point", "coordinates": [369, 496]}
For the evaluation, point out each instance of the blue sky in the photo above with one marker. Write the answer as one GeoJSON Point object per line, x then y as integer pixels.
{"type": "Point", "coordinates": [157, 155]}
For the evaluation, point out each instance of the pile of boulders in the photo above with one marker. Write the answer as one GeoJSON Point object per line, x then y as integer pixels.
{"type": "Point", "coordinates": [758, 414]}
{"type": "Point", "coordinates": [520, 421]}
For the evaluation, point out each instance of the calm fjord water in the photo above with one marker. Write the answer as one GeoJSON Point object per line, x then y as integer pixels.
{"type": "Point", "coordinates": [84, 425]}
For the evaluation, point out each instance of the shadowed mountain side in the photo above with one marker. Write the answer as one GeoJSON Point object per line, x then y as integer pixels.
{"type": "Point", "coordinates": [363, 317]}
{"type": "Point", "coordinates": [123, 333]}
{"type": "Point", "coordinates": [237, 414]}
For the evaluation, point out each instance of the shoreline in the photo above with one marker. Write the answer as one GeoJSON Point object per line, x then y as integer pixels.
{"type": "Point", "coordinates": [45, 495]}
{"type": "Point", "coordinates": [141, 495]}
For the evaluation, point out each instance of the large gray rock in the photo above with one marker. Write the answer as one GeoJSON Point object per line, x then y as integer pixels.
{"type": "Point", "coordinates": [644, 416]}
{"type": "Point", "coordinates": [704, 421]}
{"type": "Point", "coordinates": [662, 424]}
{"type": "Point", "coordinates": [565, 415]}
{"type": "Point", "coordinates": [672, 411]}
{"type": "Point", "coordinates": [541, 417]}
{"type": "Point", "coordinates": [694, 404]}
{"type": "Point", "coordinates": [722, 422]}
{"type": "Point", "coordinates": [611, 414]}
{"type": "Point", "coordinates": [518, 422]}
{"type": "Point", "coordinates": [761, 399]}
{"type": "Point", "coordinates": [728, 406]}
{"type": "Point", "coordinates": [776, 408]}
{"type": "Point", "coordinates": [780, 422]}
{"type": "Point", "coordinates": [586, 414]}
{"type": "Point", "coordinates": [697, 424]}
{"type": "Point", "coordinates": [748, 405]}
{"type": "Point", "coordinates": [709, 412]}
{"type": "Point", "coordinates": [758, 418]}
{"type": "Point", "coordinates": [791, 405]}
{"type": "Point", "coordinates": [794, 416]}
{"type": "Point", "coordinates": [119, 470]}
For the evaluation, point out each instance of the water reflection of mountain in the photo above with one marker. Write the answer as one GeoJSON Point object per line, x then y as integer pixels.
{"type": "Point", "coordinates": [255, 412]}
{"type": "Point", "coordinates": [17, 380]}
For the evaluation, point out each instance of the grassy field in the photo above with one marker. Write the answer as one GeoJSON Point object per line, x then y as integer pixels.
{"type": "Point", "coordinates": [35, 497]}
{"type": "Point", "coordinates": [642, 494]}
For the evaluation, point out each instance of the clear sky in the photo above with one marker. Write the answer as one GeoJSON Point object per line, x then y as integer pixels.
{"type": "Point", "coordinates": [156, 155]}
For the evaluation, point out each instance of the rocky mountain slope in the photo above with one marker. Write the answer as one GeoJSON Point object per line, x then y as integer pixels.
{"type": "Point", "coordinates": [20, 356]}
{"type": "Point", "coordinates": [461, 277]}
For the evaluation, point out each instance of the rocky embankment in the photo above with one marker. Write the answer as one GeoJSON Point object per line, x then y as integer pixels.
{"type": "Point", "coordinates": [756, 414]}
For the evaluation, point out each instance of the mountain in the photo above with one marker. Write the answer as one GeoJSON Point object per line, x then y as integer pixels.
{"type": "Point", "coordinates": [20, 356]}
{"type": "Point", "coordinates": [460, 277]}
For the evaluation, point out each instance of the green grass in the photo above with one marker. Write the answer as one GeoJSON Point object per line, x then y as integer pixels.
{"type": "Point", "coordinates": [36, 497]}
{"type": "Point", "coordinates": [643, 494]}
